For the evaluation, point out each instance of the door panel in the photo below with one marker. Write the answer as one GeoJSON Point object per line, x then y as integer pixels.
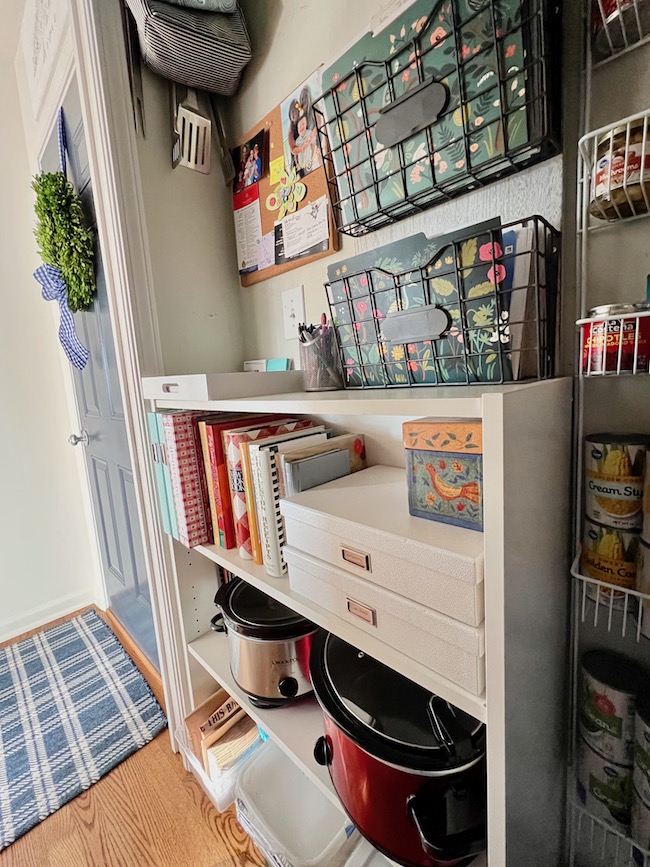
{"type": "Point", "coordinates": [101, 411]}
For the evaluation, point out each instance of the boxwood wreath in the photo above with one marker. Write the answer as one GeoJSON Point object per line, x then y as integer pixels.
{"type": "Point", "coordinates": [63, 239]}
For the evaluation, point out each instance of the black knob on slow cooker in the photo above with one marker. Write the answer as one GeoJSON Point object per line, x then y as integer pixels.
{"type": "Point", "coordinates": [323, 752]}
{"type": "Point", "coordinates": [288, 687]}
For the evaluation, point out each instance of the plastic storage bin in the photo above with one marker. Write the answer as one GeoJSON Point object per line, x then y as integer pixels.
{"type": "Point", "coordinates": [221, 791]}
{"type": "Point", "coordinates": [288, 818]}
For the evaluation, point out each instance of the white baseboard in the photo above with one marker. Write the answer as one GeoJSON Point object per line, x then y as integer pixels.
{"type": "Point", "coordinates": [43, 614]}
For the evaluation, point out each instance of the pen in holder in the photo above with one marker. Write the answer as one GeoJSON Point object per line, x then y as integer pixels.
{"type": "Point", "coordinates": [319, 361]}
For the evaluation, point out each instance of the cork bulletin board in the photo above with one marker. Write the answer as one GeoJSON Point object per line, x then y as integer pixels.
{"type": "Point", "coordinates": [316, 188]}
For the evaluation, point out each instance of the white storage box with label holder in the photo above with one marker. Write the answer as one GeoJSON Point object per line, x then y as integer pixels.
{"type": "Point", "coordinates": [449, 647]}
{"type": "Point", "coordinates": [361, 523]}
{"type": "Point", "coordinates": [220, 386]}
{"type": "Point", "coordinates": [288, 818]}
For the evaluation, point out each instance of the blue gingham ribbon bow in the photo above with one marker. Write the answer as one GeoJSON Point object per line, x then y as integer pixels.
{"type": "Point", "coordinates": [54, 288]}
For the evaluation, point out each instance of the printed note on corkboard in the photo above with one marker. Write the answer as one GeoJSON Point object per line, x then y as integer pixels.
{"type": "Point", "coordinates": [295, 216]}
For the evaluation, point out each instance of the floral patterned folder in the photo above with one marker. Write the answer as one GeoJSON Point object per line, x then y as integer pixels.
{"type": "Point", "coordinates": [480, 50]}
{"type": "Point", "coordinates": [462, 272]}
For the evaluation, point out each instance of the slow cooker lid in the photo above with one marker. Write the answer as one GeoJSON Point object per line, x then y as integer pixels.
{"type": "Point", "coordinates": [259, 615]}
{"type": "Point", "coordinates": [394, 710]}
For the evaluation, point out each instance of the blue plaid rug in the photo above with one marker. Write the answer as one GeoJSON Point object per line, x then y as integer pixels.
{"type": "Point", "coordinates": [72, 707]}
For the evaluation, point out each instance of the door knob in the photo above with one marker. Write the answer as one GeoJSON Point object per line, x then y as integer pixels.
{"type": "Point", "coordinates": [83, 438]}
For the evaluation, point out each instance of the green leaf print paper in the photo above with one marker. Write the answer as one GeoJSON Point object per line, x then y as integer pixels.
{"type": "Point", "coordinates": [475, 48]}
{"type": "Point", "coordinates": [461, 272]}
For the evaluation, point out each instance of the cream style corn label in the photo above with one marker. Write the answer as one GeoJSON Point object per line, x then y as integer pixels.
{"type": "Point", "coordinates": [614, 483]}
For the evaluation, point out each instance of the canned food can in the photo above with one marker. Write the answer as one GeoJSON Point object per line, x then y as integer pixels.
{"type": "Point", "coordinates": [641, 770]}
{"type": "Point", "coordinates": [640, 829]}
{"type": "Point", "coordinates": [607, 704]}
{"type": "Point", "coordinates": [643, 584]}
{"type": "Point", "coordinates": [604, 788]}
{"type": "Point", "coordinates": [614, 467]}
{"type": "Point", "coordinates": [620, 345]}
{"type": "Point", "coordinates": [645, 531]}
{"type": "Point", "coordinates": [609, 555]}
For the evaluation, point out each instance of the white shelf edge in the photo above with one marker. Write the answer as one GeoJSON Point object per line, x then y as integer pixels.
{"type": "Point", "coordinates": [460, 401]}
{"type": "Point", "coordinates": [279, 589]}
{"type": "Point", "coordinates": [295, 728]}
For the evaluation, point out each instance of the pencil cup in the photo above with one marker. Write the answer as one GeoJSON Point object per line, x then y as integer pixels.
{"type": "Point", "coordinates": [319, 363]}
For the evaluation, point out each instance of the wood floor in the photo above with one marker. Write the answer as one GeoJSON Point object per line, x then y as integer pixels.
{"type": "Point", "coordinates": [147, 812]}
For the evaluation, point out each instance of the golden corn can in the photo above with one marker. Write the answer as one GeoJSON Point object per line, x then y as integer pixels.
{"type": "Point", "coordinates": [609, 555]}
{"type": "Point", "coordinates": [614, 468]}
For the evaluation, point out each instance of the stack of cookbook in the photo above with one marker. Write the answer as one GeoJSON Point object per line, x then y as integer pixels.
{"type": "Point", "coordinates": [220, 476]}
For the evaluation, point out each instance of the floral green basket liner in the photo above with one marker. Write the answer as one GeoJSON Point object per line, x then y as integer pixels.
{"type": "Point", "coordinates": [468, 274]}
{"type": "Point", "coordinates": [488, 55]}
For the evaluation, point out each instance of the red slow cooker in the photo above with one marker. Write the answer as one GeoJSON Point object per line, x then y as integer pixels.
{"type": "Point", "coordinates": [408, 767]}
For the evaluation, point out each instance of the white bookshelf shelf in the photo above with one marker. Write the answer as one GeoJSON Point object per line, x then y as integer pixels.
{"type": "Point", "coordinates": [279, 589]}
{"type": "Point", "coordinates": [295, 728]}
{"type": "Point", "coordinates": [442, 402]}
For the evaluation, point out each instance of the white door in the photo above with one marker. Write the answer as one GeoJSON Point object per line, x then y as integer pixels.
{"type": "Point", "coordinates": [103, 435]}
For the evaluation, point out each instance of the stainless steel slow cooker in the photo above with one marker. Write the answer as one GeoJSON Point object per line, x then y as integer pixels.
{"type": "Point", "coordinates": [269, 645]}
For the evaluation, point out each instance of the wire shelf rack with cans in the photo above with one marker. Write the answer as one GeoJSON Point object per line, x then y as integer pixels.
{"type": "Point", "coordinates": [465, 95]}
{"type": "Point", "coordinates": [483, 308]}
{"type": "Point", "coordinates": [616, 340]}
{"type": "Point", "coordinates": [614, 173]}
{"type": "Point", "coordinates": [594, 843]}
{"type": "Point", "coordinates": [617, 27]}
{"type": "Point", "coordinates": [617, 609]}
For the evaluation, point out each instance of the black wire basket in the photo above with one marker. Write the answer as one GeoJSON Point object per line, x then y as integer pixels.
{"type": "Point", "coordinates": [466, 93]}
{"type": "Point", "coordinates": [483, 308]}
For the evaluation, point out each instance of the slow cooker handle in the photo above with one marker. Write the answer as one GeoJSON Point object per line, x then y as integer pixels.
{"type": "Point", "coordinates": [442, 846]}
{"type": "Point", "coordinates": [451, 734]}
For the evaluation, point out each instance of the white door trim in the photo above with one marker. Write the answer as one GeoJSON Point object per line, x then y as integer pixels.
{"type": "Point", "coordinates": [112, 151]}
{"type": "Point", "coordinates": [38, 130]}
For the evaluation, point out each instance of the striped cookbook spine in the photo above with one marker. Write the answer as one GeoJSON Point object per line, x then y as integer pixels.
{"type": "Point", "coordinates": [186, 473]}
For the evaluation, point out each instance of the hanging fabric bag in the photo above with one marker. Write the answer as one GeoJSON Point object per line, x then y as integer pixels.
{"type": "Point", "coordinates": [201, 49]}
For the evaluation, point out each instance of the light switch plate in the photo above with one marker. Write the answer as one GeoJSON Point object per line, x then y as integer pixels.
{"type": "Point", "coordinates": [293, 311]}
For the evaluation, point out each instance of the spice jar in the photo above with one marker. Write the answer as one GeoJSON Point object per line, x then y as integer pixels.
{"type": "Point", "coordinates": [609, 345]}
{"type": "Point", "coordinates": [619, 178]}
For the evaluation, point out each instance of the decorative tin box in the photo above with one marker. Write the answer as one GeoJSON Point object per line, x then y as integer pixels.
{"type": "Point", "coordinates": [444, 464]}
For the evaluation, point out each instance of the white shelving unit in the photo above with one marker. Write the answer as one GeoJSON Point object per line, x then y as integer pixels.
{"type": "Point", "coordinates": [526, 434]}
{"type": "Point", "coordinates": [612, 268]}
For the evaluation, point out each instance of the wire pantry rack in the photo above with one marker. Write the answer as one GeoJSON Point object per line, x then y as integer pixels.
{"type": "Point", "coordinates": [616, 344]}
{"type": "Point", "coordinates": [594, 843]}
{"type": "Point", "coordinates": [495, 65]}
{"type": "Point", "coordinates": [617, 608]}
{"type": "Point", "coordinates": [615, 172]}
{"type": "Point", "coordinates": [496, 289]}
{"type": "Point", "coordinates": [618, 26]}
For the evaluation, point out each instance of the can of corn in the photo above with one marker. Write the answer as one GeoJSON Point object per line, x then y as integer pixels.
{"type": "Point", "coordinates": [614, 468]}
{"type": "Point", "coordinates": [604, 787]}
{"type": "Point", "coordinates": [645, 531]}
{"type": "Point", "coordinates": [609, 555]}
{"type": "Point", "coordinates": [607, 701]}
